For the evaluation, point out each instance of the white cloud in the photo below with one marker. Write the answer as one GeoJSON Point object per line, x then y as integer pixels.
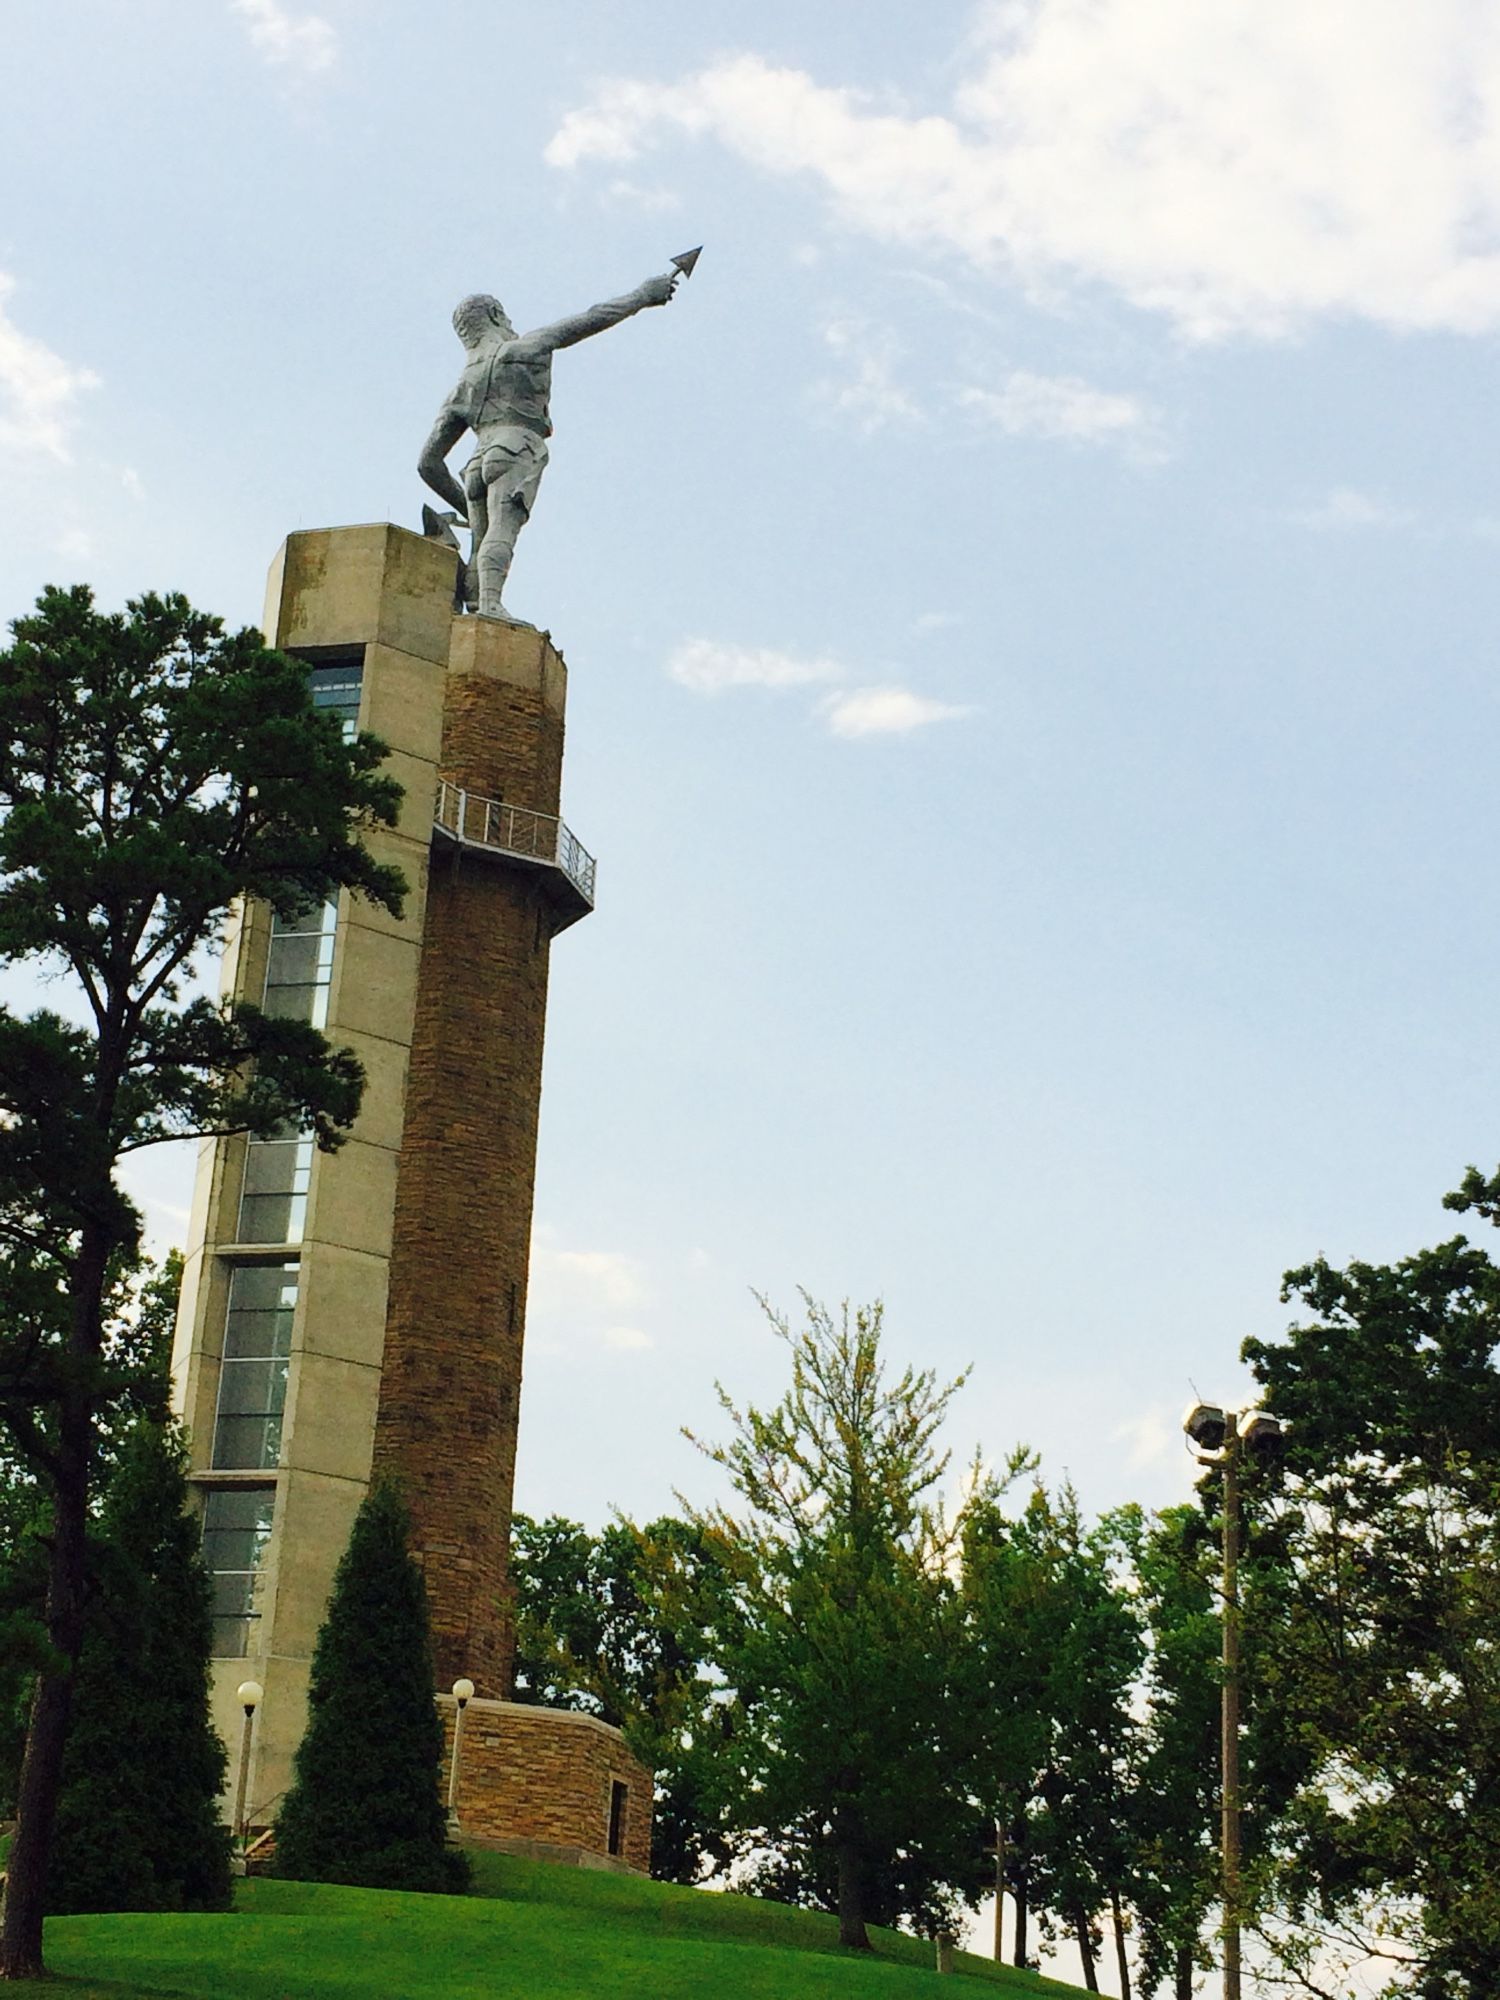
{"type": "Point", "coordinates": [627, 1339]}
{"type": "Point", "coordinates": [39, 390]}
{"type": "Point", "coordinates": [709, 667]}
{"type": "Point", "coordinates": [936, 621]}
{"type": "Point", "coordinates": [644, 200]}
{"type": "Point", "coordinates": [74, 545]}
{"type": "Point", "coordinates": [1244, 166]}
{"type": "Point", "coordinates": [585, 1299]}
{"type": "Point", "coordinates": [867, 392]}
{"type": "Point", "coordinates": [589, 1280]}
{"type": "Point", "coordinates": [1152, 1440]}
{"type": "Point", "coordinates": [302, 42]}
{"type": "Point", "coordinates": [884, 711]}
{"type": "Point", "coordinates": [1062, 406]}
{"type": "Point", "coordinates": [891, 710]}
{"type": "Point", "coordinates": [1347, 508]}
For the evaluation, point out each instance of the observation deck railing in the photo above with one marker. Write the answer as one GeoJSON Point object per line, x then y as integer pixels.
{"type": "Point", "coordinates": [517, 833]}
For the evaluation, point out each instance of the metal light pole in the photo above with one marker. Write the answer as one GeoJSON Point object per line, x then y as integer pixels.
{"type": "Point", "coordinates": [463, 1694]}
{"type": "Point", "coordinates": [1229, 1835]}
{"type": "Point", "coordinates": [250, 1694]}
{"type": "Point", "coordinates": [1221, 1437]}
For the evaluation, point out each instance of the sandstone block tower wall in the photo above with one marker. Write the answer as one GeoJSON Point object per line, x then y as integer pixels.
{"type": "Point", "coordinates": [363, 1312]}
{"type": "Point", "coordinates": [451, 1383]}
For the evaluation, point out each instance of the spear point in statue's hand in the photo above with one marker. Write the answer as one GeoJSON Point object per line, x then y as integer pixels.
{"type": "Point", "coordinates": [682, 266]}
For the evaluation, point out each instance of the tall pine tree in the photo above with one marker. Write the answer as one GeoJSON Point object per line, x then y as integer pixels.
{"type": "Point", "coordinates": [138, 1824]}
{"type": "Point", "coordinates": [365, 1806]}
{"type": "Point", "coordinates": [153, 771]}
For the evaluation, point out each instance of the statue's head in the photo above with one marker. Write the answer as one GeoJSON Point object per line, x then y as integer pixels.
{"type": "Point", "coordinates": [478, 316]}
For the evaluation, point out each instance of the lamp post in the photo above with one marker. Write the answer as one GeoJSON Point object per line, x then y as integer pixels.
{"type": "Point", "coordinates": [999, 1889]}
{"type": "Point", "coordinates": [1222, 1437]}
{"type": "Point", "coordinates": [463, 1694]}
{"type": "Point", "coordinates": [250, 1694]}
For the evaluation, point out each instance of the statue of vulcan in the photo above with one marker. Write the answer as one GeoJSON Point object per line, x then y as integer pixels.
{"type": "Point", "coordinates": [503, 397]}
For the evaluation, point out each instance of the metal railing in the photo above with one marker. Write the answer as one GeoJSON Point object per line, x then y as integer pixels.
{"type": "Point", "coordinates": [514, 830]}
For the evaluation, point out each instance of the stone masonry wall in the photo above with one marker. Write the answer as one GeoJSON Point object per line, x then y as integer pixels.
{"type": "Point", "coordinates": [537, 1774]}
{"type": "Point", "coordinates": [451, 1376]}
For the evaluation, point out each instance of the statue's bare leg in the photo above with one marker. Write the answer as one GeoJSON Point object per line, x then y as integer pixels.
{"type": "Point", "coordinates": [505, 516]}
{"type": "Point", "coordinates": [507, 471]}
{"type": "Point", "coordinates": [479, 522]}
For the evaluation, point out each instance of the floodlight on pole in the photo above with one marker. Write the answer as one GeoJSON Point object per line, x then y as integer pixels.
{"type": "Point", "coordinates": [1222, 1437]}
{"type": "Point", "coordinates": [1206, 1426]}
{"type": "Point", "coordinates": [250, 1694]}
{"type": "Point", "coordinates": [463, 1694]}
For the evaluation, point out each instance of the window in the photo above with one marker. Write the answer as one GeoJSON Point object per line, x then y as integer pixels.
{"type": "Point", "coordinates": [273, 1199]}
{"type": "Point", "coordinates": [335, 690]}
{"type": "Point", "coordinates": [236, 1529]}
{"type": "Point", "coordinates": [299, 964]}
{"type": "Point", "coordinates": [252, 1375]}
{"type": "Point", "coordinates": [619, 1797]}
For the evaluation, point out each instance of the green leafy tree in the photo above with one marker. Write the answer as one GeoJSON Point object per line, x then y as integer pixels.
{"type": "Point", "coordinates": [1174, 1802]}
{"type": "Point", "coordinates": [1388, 1670]}
{"type": "Point", "coordinates": [1054, 1649]}
{"type": "Point", "coordinates": [138, 1825]}
{"type": "Point", "coordinates": [626, 1625]}
{"type": "Point", "coordinates": [1079, 1835]}
{"type": "Point", "coordinates": [1165, 1846]}
{"type": "Point", "coordinates": [154, 770]}
{"type": "Point", "coordinates": [365, 1805]}
{"type": "Point", "coordinates": [846, 1661]}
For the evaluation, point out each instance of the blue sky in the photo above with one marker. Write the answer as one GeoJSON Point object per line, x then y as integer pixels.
{"type": "Point", "coordinates": [1027, 604]}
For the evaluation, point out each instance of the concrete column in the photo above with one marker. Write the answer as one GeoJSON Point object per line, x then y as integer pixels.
{"type": "Point", "coordinates": [382, 596]}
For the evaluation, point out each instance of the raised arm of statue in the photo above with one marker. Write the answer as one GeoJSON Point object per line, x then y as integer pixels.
{"type": "Point", "coordinates": [578, 326]}
{"type": "Point", "coordinates": [432, 465]}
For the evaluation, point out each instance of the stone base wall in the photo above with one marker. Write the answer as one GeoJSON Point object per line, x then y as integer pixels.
{"type": "Point", "coordinates": [541, 1781]}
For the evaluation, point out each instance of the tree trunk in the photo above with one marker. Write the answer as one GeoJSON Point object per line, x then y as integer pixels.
{"type": "Point", "coordinates": [67, 1581]}
{"type": "Point", "coordinates": [1086, 1950]}
{"type": "Point", "coordinates": [851, 1896]}
{"type": "Point", "coordinates": [1122, 1957]}
{"type": "Point", "coordinates": [1184, 1987]}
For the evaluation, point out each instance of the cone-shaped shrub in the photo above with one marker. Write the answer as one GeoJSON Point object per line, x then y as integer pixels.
{"type": "Point", "coordinates": [365, 1806]}
{"type": "Point", "coordinates": [138, 1824]}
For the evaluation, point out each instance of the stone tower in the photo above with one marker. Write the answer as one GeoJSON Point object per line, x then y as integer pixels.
{"type": "Point", "coordinates": [363, 1312]}
{"type": "Point", "coordinates": [506, 876]}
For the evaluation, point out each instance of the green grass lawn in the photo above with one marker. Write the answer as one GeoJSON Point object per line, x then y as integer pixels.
{"type": "Point", "coordinates": [532, 1931]}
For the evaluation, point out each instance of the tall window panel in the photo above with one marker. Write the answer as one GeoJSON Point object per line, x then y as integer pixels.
{"type": "Point", "coordinates": [273, 1203]}
{"type": "Point", "coordinates": [252, 1376]}
{"type": "Point", "coordinates": [236, 1530]}
{"type": "Point", "coordinates": [299, 964]}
